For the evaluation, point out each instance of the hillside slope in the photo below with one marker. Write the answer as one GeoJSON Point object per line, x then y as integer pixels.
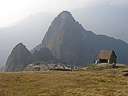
{"type": "Point", "coordinates": [107, 82]}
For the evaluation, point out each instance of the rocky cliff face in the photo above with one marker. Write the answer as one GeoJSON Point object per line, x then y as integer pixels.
{"type": "Point", "coordinates": [71, 43]}
{"type": "Point", "coordinates": [65, 38]}
{"type": "Point", "coordinates": [19, 58]}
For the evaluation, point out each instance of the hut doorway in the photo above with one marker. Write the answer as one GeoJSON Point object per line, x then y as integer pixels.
{"type": "Point", "coordinates": [103, 61]}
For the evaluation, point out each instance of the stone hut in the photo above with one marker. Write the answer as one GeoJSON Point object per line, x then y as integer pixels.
{"type": "Point", "coordinates": [107, 56]}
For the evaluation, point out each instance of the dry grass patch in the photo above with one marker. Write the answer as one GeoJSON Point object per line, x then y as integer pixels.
{"type": "Point", "coordinates": [106, 82]}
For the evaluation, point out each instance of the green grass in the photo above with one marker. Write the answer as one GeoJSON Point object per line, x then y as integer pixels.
{"type": "Point", "coordinates": [105, 82]}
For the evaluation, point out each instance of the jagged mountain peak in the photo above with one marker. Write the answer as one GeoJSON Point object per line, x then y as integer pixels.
{"type": "Point", "coordinates": [20, 45]}
{"type": "Point", "coordinates": [19, 48]}
{"type": "Point", "coordinates": [19, 58]}
{"type": "Point", "coordinates": [64, 17]}
{"type": "Point", "coordinates": [64, 33]}
{"type": "Point", "coordinates": [65, 14]}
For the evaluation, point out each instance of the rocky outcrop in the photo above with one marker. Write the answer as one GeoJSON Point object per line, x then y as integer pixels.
{"type": "Point", "coordinates": [49, 66]}
{"type": "Point", "coordinates": [19, 58]}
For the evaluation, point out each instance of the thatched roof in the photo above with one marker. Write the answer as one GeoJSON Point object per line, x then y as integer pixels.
{"type": "Point", "coordinates": [105, 54]}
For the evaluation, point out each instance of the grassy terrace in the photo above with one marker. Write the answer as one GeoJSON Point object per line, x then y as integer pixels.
{"type": "Point", "coordinates": [98, 82]}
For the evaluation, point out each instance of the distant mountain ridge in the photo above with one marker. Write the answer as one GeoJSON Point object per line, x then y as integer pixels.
{"type": "Point", "coordinates": [71, 43]}
{"type": "Point", "coordinates": [66, 41]}
{"type": "Point", "coordinates": [20, 57]}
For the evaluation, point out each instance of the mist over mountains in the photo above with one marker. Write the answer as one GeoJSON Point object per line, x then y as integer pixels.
{"type": "Point", "coordinates": [104, 19]}
{"type": "Point", "coordinates": [109, 20]}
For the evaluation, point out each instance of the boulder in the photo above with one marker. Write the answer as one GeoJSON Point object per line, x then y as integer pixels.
{"type": "Point", "coordinates": [36, 69]}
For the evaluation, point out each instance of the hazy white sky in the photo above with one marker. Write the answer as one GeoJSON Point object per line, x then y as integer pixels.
{"type": "Point", "coordinates": [13, 10]}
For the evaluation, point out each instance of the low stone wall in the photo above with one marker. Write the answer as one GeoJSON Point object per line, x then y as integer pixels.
{"type": "Point", "coordinates": [101, 65]}
{"type": "Point", "coordinates": [106, 65]}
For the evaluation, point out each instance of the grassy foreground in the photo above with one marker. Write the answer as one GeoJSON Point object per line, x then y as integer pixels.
{"type": "Point", "coordinates": [105, 82]}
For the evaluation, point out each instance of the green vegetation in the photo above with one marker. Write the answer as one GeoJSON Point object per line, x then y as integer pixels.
{"type": "Point", "coordinates": [91, 82]}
